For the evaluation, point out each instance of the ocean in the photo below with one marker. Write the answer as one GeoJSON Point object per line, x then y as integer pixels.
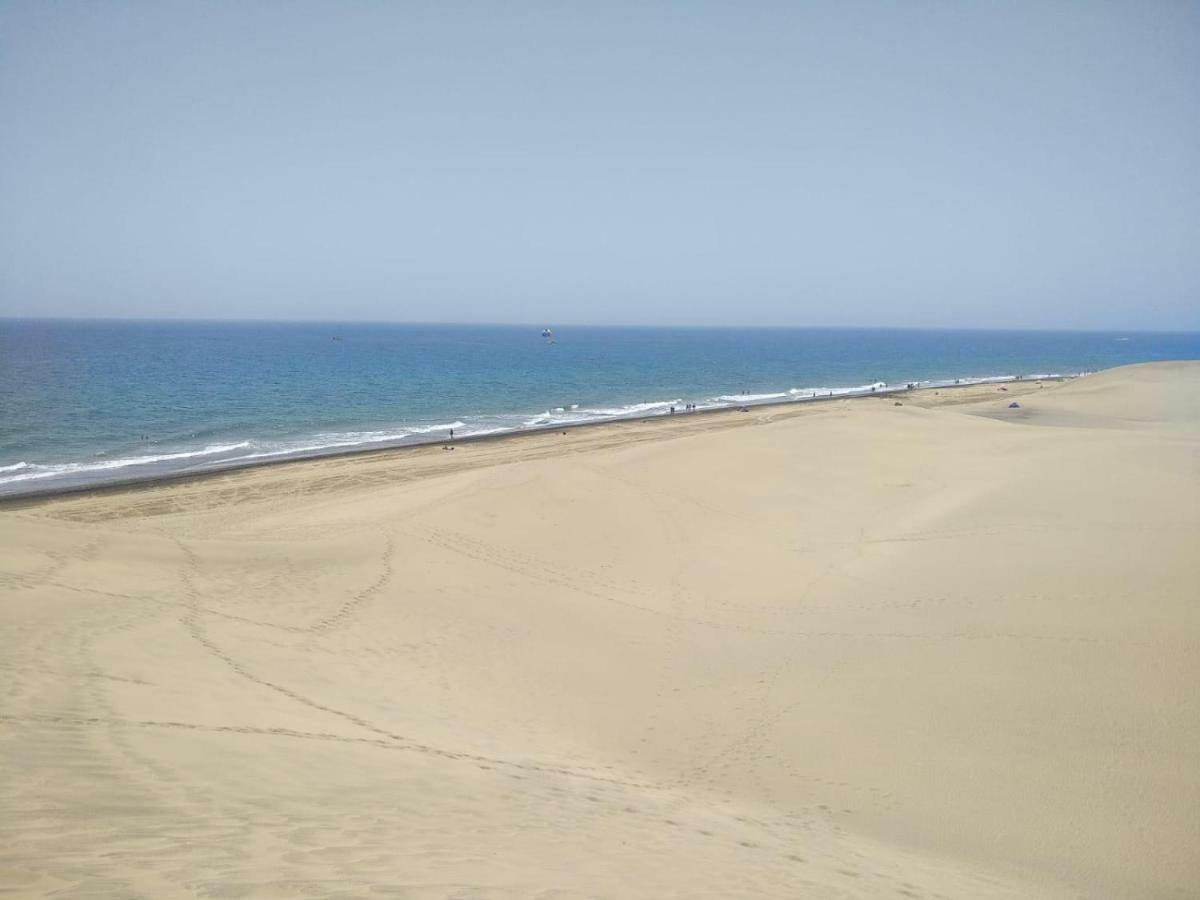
{"type": "Point", "coordinates": [94, 402]}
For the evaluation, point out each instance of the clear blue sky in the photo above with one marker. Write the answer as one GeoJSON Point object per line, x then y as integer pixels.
{"type": "Point", "coordinates": [974, 164]}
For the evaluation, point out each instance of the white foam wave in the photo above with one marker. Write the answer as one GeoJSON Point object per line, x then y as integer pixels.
{"type": "Point", "coordinates": [634, 409]}
{"type": "Point", "coordinates": [575, 415]}
{"type": "Point", "coordinates": [428, 429]}
{"type": "Point", "coordinates": [121, 463]}
{"type": "Point", "coordinates": [483, 431]}
{"type": "Point", "coordinates": [750, 398]}
{"type": "Point", "coordinates": [333, 440]}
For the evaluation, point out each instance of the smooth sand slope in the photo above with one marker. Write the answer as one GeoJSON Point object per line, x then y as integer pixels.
{"type": "Point", "coordinates": [944, 649]}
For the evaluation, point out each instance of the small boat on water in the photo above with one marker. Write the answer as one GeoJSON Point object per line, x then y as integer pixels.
{"type": "Point", "coordinates": [547, 333]}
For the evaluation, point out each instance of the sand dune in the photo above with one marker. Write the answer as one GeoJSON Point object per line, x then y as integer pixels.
{"type": "Point", "coordinates": [943, 649]}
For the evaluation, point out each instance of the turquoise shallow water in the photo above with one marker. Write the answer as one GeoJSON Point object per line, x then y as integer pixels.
{"type": "Point", "coordinates": [85, 402]}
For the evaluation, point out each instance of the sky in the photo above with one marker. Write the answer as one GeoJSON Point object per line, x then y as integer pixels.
{"type": "Point", "coordinates": [949, 164]}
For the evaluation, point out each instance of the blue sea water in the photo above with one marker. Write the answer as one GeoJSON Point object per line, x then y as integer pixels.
{"type": "Point", "coordinates": [89, 402]}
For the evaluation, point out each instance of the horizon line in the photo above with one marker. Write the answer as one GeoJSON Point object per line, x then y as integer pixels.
{"type": "Point", "coordinates": [184, 320]}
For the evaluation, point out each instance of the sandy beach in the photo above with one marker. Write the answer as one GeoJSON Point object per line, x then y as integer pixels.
{"type": "Point", "coordinates": [920, 646]}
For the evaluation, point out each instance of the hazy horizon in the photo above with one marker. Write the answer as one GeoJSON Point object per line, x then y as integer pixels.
{"type": "Point", "coordinates": [248, 320]}
{"type": "Point", "coordinates": [1031, 166]}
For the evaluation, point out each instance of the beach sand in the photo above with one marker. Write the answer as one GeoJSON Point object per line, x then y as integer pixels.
{"type": "Point", "coordinates": [849, 649]}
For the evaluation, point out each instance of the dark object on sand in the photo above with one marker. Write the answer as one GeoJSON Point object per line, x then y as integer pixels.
{"type": "Point", "coordinates": [1014, 405]}
{"type": "Point", "coordinates": [898, 403]}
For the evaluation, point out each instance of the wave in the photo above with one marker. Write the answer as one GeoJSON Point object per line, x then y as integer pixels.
{"type": "Point", "coordinates": [751, 398]}
{"type": "Point", "coordinates": [49, 471]}
{"type": "Point", "coordinates": [635, 409]}
{"type": "Point", "coordinates": [324, 441]}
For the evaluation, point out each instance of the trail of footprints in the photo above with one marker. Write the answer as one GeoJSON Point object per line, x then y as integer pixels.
{"type": "Point", "coordinates": [385, 739]}
{"type": "Point", "coordinates": [347, 609]}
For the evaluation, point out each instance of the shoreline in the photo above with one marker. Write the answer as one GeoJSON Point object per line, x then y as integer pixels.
{"type": "Point", "coordinates": [34, 496]}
